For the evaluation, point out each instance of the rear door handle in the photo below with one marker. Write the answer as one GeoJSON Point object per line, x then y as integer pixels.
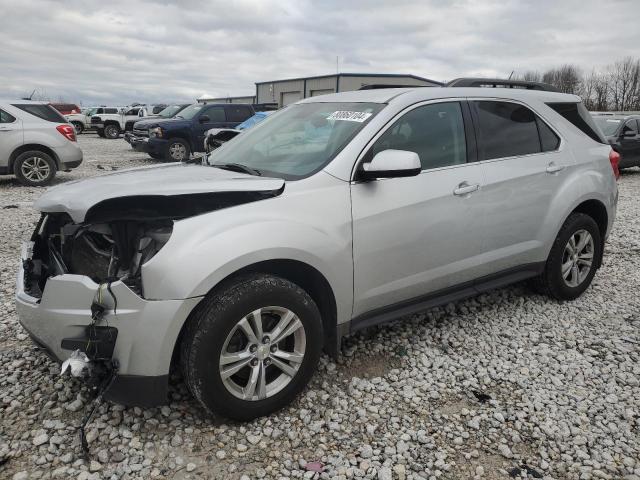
{"type": "Point", "coordinates": [465, 188]}
{"type": "Point", "coordinates": [554, 168]}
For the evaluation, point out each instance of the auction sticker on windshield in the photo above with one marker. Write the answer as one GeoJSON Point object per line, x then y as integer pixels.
{"type": "Point", "coordinates": [349, 116]}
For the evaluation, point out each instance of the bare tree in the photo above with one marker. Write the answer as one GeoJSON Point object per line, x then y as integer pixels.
{"type": "Point", "coordinates": [566, 78]}
{"type": "Point", "coordinates": [531, 76]}
{"type": "Point", "coordinates": [624, 84]}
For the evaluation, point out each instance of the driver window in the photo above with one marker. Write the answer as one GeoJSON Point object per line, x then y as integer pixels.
{"type": "Point", "coordinates": [435, 132]}
{"type": "Point", "coordinates": [630, 127]}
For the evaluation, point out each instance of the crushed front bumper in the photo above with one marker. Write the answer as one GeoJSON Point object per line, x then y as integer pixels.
{"type": "Point", "coordinates": [147, 330]}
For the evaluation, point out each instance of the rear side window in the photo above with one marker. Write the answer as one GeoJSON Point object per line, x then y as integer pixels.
{"type": "Point", "coordinates": [45, 112]}
{"type": "Point", "coordinates": [578, 115]}
{"type": "Point", "coordinates": [435, 132]}
{"type": "Point", "coordinates": [110, 110]}
{"type": "Point", "coordinates": [506, 130]}
{"type": "Point", "coordinates": [238, 114]}
{"type": "Point", "coordinates": [215, 114]}
{"type": "Point", "coordinates": [6, 118]}
{"type": "Point", "coordinates": [548, 139]}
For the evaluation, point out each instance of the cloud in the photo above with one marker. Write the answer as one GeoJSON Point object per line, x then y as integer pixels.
{"type": "Point", "coordinates": [150, 51]}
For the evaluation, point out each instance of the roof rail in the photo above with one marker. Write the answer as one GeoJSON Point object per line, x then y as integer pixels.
{"type": "Point", "coordinates": [501, 83]}
{"type": "Point", "coordinates": [376, 86]}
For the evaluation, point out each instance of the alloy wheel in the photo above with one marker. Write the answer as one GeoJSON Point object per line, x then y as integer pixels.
{"type": "Point", "coordinates": [262, 353]}
{"type": "Point", "coordinates": [577, 258]}
{"type": "Point", "coordinates": [35, 169]}
{"type": "Point", "coordinates": [177, 151]}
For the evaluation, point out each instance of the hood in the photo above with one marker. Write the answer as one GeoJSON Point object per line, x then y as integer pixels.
{"type": "Point", "coordinates": [170, 122]}
{"type": "Point", "coordinates": [147, 122]}
{"type": "Point", "coordinates": [174, 190]}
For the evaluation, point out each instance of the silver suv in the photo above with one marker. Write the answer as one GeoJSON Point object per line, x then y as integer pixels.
{"type": "Point", "coordinates": [334, 214]}
{"type": "Point", "coordinates": [35, 142]}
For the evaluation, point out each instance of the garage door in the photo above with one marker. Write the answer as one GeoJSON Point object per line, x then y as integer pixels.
{"type": "Point", "coordinates": [315, 93]}
{"type": "Point", "coordinates": [287, 98]}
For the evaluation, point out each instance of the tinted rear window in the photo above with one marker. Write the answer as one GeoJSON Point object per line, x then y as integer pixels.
{"type": "Point", "coordinates": [577, 114]}
{"type": "Point", "coordinates": [45, 112]}
{"type": "Point", "coordinates": [506, 130]}
{"type": "Point", "coordinates": [238, 114]}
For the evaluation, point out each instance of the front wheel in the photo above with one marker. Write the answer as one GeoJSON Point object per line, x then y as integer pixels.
{"type": "Point", "coordinates": [573, 260]}
{"type": "Point", "coordinates": [251, 348]}
{"type": "Point", "coordinates": [177, 150]}
{"type": "Point", "coordinates": [112, 131]}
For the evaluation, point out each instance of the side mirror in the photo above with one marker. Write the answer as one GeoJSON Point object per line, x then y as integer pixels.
{"type": "Point", "coordinates": [628, 133]}
{"type": "Point", "coordinates": [204, 119]}
{"type": "Point", "coordinates": [392, 164]}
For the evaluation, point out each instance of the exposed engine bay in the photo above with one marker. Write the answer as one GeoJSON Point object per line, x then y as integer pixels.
{"type": "Point", "coordinates": [103, 251]}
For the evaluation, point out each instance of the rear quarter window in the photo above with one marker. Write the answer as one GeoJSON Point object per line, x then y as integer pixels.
{"type": "Point", "coordinates": [45, 112]}
{"type": "Point", "coordinates": [577, 114]}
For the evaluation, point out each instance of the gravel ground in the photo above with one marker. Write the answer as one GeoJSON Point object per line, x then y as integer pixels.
{"type": "Point", "coordinates": [505, 385]}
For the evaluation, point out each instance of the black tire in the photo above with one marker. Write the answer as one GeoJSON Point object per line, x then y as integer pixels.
{"type": "Point", "coordinates": [215, 318]}
{"type": "Point", "coordinates": [111, 131]}
{"type": "Point", "coordinates": [78, 126]}
{"type": "Point", "coordinates": [34, 168]}
{"type": "Point", "coordinates": [100, 132]}
{"type": "Point", "coordinates": [551, 282]}
{"type": "Point", "coordinates": [174, 144]}
{"type": "Point", "coordinates": [156, 156]}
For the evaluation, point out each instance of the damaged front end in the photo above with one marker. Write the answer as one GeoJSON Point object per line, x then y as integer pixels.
{"type": "Point", "coordinates": [103, 251]}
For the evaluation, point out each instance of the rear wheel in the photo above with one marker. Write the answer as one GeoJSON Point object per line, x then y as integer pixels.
{"type": "Point", "coordinates": [177, 150]}
{"type": "Point", "coordinates": [78, 126]}
{"type": "Point", "coordinates": [573, 260]}
{"type": "Point", "coordinates": [34, 168]}
{"type": "Point", "coordinates": [111, 131]}
{"type": "Point", "coordinates": [250, 349]}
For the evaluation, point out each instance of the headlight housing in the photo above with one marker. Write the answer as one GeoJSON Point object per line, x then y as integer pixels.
{"type": "Point", "coordinates": [155, 132]}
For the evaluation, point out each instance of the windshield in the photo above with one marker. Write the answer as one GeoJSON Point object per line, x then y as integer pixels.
{"type": "Point", "coordinates": [297, 141]}
{"type": "Point", "coordinates": [191, 111]}
{"type": "Point", "coordinates": [170, 111]}
{"type": "Point", "coordinates": [609, 126]}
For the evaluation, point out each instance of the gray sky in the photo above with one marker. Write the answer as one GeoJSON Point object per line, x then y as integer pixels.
{"type": "Point", "coordinates": [122, 51]}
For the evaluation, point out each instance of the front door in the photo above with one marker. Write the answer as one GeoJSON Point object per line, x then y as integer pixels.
{"type": "Point", "coordinates": [630, 144]}
{"type": "Point", "coordinates": [417, 235]}
{"type": "Point", "coordinates": [209, 117]}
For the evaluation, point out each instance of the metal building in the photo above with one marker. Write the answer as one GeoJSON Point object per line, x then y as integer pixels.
{"type": "Point", "coordinates": [209, 99]}
{"type": "Point", "coordinates": [284, 92]}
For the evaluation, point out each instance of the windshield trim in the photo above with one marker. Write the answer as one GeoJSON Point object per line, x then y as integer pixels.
{"type": "Point", "coordinates": [288, 177]}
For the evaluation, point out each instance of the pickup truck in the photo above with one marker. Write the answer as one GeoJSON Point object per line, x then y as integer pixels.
{"type": "Point", "coordinates": [111, 125]}
{"type": "Point", "coordinates": [141, 127]}
{"type": "Point", "coordinates": [176, 138]}
{"type": "Point", "coordinates": [215, 137]}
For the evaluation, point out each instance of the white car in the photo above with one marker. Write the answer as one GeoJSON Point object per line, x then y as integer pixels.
{"type": "Point", "coordinates": [111, 125]}
{"type": "Point", "coordinates": [35, 142]}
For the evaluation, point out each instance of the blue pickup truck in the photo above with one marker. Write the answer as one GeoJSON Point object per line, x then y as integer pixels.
{"type": "Point", "coordinates": [176, 138]}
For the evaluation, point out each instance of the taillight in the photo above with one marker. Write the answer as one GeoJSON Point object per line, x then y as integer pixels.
{"type": "Point", "coordinates": [68, 131]}
{"type": "Point", "coordinates": [614, 158]}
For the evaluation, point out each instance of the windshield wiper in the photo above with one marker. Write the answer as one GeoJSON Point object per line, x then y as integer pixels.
{"type": "Point", "coordinates": [238, 167]}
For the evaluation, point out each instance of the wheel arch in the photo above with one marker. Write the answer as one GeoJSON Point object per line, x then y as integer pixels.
{"type": "Point", "coordinates": [32, 146]}
{"type": "Point", "coordinates": [302, 274]}
{"type": "Point", "coordinates": [596, 210]}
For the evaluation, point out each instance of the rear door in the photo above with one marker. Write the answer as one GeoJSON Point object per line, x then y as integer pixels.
{"type": "Point", "coordinates": [236, 114]}
{"type": "Point", "coordinates": [211, 116]}
{"type": "Point", "coordinates": [11, 136]}
{"type": "Point", "coordinates": [417, 235]}
{"type": "Point", "coordinates": [524, 165]}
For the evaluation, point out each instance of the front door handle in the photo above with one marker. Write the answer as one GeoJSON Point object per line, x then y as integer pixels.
{"type": "Point", "coordinates": [554, 168]}
{"type": "Point", "coordinates": [465, 188]}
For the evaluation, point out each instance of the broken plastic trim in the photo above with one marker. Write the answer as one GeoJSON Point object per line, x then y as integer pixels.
{"type": "Point", "coordinates": [170, 207]}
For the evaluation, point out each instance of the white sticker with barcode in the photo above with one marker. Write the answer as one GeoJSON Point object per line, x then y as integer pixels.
{"type": "Point", "coordinates": [349, 116]}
